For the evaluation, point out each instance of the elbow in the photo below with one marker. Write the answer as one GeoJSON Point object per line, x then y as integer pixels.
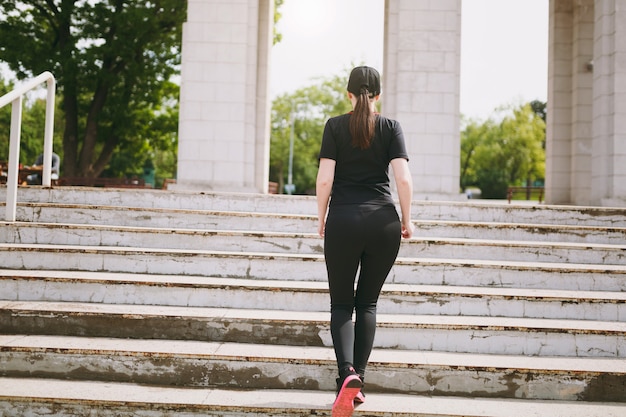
{"type": "Point", "coordinates": [323, 183]}
{"type": "Point", "coordinates": [404, 182]}
{"type": "Point", "coordinates": [324, 177]}
{"type": "Point", "coordinates": [404, 187]}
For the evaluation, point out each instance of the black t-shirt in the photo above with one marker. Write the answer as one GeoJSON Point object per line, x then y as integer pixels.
{"type": "Point", "coordinates": [362, 175]}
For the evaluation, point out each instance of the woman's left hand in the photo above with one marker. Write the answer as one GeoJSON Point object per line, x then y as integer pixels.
{"type": "Point", "coordinates": [321, 227]}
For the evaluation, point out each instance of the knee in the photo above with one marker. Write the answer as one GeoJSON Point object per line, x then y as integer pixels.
{"type": "Point", "coordinates": [369, 306]}
{"type": "Point", "coordinates": [347, 306]}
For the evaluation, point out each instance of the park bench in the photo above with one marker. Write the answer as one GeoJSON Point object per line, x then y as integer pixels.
{"type": "Point", "coordinates": [529, 191]}
{"type": "Point", "coordinates": [103, 182]}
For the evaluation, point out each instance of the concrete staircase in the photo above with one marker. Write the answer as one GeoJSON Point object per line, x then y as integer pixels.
{"type": "Point", "coordinates": [152, 303]}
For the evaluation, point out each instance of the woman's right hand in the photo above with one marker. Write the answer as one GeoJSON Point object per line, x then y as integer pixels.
{"type": "Point", "coordinates": [407, 229]}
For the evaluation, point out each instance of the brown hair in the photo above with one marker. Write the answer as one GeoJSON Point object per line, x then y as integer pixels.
{"type": "Point", "coordinates": [362, 121]}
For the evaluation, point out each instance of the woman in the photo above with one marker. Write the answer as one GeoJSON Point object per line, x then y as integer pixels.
{"type": "Point", "coordinates": [360, 226]}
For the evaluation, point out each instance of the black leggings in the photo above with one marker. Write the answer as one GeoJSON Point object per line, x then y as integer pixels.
{"type": "Point", "coordinates": [365, 236]}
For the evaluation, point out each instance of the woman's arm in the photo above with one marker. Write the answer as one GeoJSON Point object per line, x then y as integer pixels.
{"type": "Point", "coordinates": [323, 187]}
{"type": "Point", "coordinates": [404, 183]}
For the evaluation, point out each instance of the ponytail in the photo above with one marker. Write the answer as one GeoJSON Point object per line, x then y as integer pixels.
{"type": "Point", "coordinates": [362, 121]}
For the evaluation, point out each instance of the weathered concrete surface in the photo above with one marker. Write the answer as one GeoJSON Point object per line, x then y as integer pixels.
{"type": "Point", "coordinates": [475, 211]}
{"type": "Point", "coordinates": [306, 243]}
{"type": "Point", "coordinates": [20, 397]}
{"type": "Point", "coordinates": [460, 334]}
{"type": "Point", "coordinates": [167, 295]}
{"type": "Point", "coordinates": [500, 273]}
{"type": "Point", "coordinates": [227, 365]}
{"type": "Point", "coordinates": [313, 296]}
{"type": "Point", "coordinates": [307, 223]}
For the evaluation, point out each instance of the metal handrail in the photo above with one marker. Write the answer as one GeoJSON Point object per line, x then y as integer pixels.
{"type": "Point", "coordinates": [15, 98]}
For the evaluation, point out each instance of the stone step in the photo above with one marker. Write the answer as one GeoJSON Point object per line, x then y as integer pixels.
{"type": "Point", "coordinates": [460, 334]}
{"type": "Point", "coordinates": [521, 232]}
{"type": "Point", "coordinates": [165, 218]}
{"type": "Point", "coordinates": [311, 296]}
{"type": "Point", "coordinates": [566, 276]}
{"type": "Point", "coordinates": [303, 223]}
{"type": "Point", "coordinates": [510, 304]}
{"type": "Point", "coordinates": [251, 366]}
{"type": "Point", "coordinates": [303, 243]}
{"type": "Point", "coordinates": [474, 211]}
{"type": "Point", "coordinates": [29, 397]}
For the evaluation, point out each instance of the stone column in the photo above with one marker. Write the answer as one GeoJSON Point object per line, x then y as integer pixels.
{"type": "Point", "coordinates": [568, 147]}
{"type": "Point", "coordinates": [608, 183]}
{"type": "Point", "coordinates": [582, 102]}
{"type": "Point", "coordinates": [224, 103]}
{"type": "Point", "coordinates": [559, 106]}
{"type": "Point", "coordinates": [421, 88]}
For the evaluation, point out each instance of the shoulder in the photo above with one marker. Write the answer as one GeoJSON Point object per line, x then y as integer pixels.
{"type": "Point", "coordinates": [337, 124]}
{"type": "Point", "coordinates": [385, 121]}
{"type": "Point", "coordinates": [389, 125]}
{"type": "Point", "coordinates": [338, 119]}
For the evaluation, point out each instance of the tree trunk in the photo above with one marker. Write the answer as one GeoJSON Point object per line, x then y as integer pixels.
{"type": "Point", "coordinates": [70, 95]}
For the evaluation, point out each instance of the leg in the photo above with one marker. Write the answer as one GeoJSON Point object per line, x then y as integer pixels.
{"type": "Point", "coordinates": [380, 254]}
{"type": "Point", "coordinates": [342, 251]}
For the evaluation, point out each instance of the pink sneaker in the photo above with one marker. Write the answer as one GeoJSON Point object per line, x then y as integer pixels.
{"type": "Point", "coordinates": [344, 403]}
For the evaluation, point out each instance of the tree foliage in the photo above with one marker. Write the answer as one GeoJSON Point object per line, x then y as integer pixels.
{"type": "Point", "coordinates": [307, 110]}
{"type": "Point", "coordinates": [495, 155]}
{"type": "Point", "coordinates": [277, 15]}
{"type": "Point", "coordinates": [5, 122]}
{"type": "Point", "coordinates": [540, 109]}
{"type": "Point", "coordinates": [32, 129]}
{"type": "Point", "coordinates": [113, 60]}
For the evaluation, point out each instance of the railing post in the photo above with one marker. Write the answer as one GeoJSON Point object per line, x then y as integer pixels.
{"type": "Point", "coordinates": [14, 158]}
{"type": "Point", "coordinates": [48, 133]}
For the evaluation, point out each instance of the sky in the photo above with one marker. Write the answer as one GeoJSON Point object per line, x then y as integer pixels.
{"type": "Point", "coordinates": [504, 48]}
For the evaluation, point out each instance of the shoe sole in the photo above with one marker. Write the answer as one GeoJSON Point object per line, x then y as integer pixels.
{"type": "Point", "coordinates": [344, 403]}
{"type": "Point", "coordinates": [359, 399]}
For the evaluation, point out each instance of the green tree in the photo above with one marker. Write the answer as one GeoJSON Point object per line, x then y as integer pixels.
{"type": "Point", "coordinates": [113, 60]}
{"type": "Point", "coordinates": [5, 121]}
{"type": "Point", "coordinates": [495, 156]}
{"type": "Point", "coordinates": [524, 134]}
{"type": "Point", "coordinates": [540, 109]}
{"type": "Point", "coordinates": [308, 109]}
{"type": "Point", "coordinates": [277, 15]}
{"type": "Point", "coordinates": [473, 135]}
{"type": "Point", "coordinates": [154, 146]}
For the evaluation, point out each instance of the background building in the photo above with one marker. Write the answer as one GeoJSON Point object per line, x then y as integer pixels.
{"type": "Point", "coordinates": [224, 114]}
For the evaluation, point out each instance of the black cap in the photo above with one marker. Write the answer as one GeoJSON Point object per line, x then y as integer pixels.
{"type": "Point", "coordinates": [364, 78]}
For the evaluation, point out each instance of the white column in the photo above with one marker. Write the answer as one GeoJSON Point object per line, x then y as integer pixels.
{"type": "Point", "coordinates": [224, 109]}
{"type": "Point", "coordinates": [421, 88]}
{"type": "Point", "coordinates": [262, 102]}
{"type": "Point", "coordinates": [582, 100]}
{"type": "Point", "coordinates": [559, 106]}
{"type": "Point", "coordinates": [609, 101]}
